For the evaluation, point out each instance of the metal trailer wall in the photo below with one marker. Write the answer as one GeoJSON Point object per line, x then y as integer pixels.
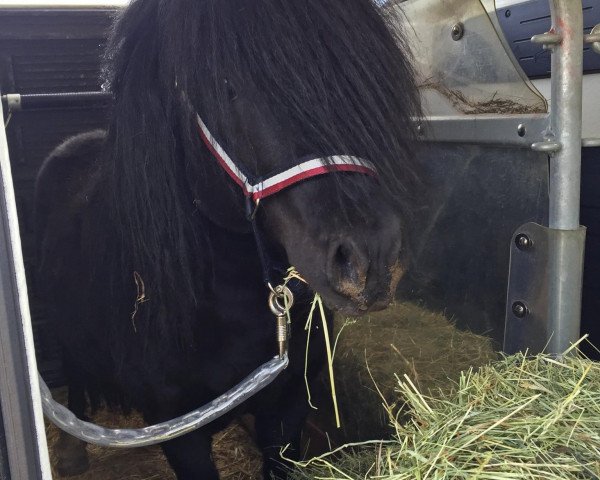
{"type": "Point", "coordinates": [478, 81]}
{"type": "Point", "coordinates": [47, 51]}
{"type": "Point", "coordinates": [477, 197]}
{"type": "Point", "coordinates": [590, 217]}
{"type": "Point", "coordinates": [40, 51]}
{"type": "Point", "coordinates": [519, 21]}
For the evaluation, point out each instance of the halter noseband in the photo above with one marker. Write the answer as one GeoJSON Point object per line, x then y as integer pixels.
{"type": "Point", "coordinates": [281, 297]}
{"type": "Point", "coordinates": [257, 189]}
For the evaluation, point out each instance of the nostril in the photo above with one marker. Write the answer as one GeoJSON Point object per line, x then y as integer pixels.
{"type": "Point", "coordinates": [347, 268]}
{"type": "Point", "coordinates": [342, 259]}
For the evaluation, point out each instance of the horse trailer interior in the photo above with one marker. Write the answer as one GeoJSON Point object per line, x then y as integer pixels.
{"type": "Point", "coordinates": [507, 238]}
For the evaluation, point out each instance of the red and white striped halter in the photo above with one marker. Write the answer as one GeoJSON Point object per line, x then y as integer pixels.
{"type": "Point", "coordinates": [269, 185]}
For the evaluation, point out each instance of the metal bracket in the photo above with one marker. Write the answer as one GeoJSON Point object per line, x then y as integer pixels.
{"type": "Point", "coordinates": [539, 258]}
{"type": "Point", "coordinates": [527, 296]}
{"type": "Point", "coordinates": [547, 39]}
{"type": "Point", "coordinates": [590, 142]}
{"type": "Point", "coordinates": [520, 130]}
{"type": "Point", "coordinates": [13, 101]}
{"type": "Point", "coordinates": [593, 38]}
{"type": "Point", "coordinates": [546, 146]}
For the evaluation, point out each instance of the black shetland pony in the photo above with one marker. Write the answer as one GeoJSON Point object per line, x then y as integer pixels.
{"type": "Point", "coordinates": [145, 247]}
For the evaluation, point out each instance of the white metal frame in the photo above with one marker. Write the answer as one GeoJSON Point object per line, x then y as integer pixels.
{"type": "Point", "coordinates": [19, 388]}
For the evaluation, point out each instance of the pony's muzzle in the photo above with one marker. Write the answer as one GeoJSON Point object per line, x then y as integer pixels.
{"type": "Point", "coordinates": [364, 273]}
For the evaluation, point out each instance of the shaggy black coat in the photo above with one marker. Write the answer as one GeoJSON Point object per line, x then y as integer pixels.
{"type": "Point", "coordinates": [147, 255]}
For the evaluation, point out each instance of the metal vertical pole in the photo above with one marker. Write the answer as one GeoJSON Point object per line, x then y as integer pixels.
{"type": "Point", "coordinates": [566, 121]}
{"type": "Point", "coordinates": [19, 389]}
{"type": "Point", "coordinates": [567, 238]}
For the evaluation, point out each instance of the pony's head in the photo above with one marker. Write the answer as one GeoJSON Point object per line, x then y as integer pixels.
{"type": "Point", "coordinates": [275, 81]}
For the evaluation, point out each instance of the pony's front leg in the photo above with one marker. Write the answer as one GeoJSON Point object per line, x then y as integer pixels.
{"type": "Point", "coordinates": [71, 453]}
{"type": "Point", "coordinates": [190, 456]}
{"type": "Point", "coordinates": [280, 425]}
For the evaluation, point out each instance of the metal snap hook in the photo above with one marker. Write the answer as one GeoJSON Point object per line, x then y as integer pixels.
{"type": "Point", "coordinates": [281, 300]}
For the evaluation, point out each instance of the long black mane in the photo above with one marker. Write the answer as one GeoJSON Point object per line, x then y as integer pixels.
{"type": "Point", "coordinates": [333, 72]}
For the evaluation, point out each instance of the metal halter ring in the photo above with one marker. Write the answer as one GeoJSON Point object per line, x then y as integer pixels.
{"type": "Point", "coordinates": [281, 300]}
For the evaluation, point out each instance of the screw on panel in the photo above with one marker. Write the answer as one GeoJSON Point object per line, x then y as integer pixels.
{"type": "Point", "coordinates": [520, 310]}
{"type": "Point", "coordinates": [458, 31]}
{"type": "Point", "coordinates": [507, 13]}
{"type": "Point", "coordinates": [523, 242]}
{"type": "Point", "coordinates": [521, 130]}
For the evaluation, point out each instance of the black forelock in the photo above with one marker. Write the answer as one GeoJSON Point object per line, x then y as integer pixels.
{"type": "Point", "coordinates": [336, 73]}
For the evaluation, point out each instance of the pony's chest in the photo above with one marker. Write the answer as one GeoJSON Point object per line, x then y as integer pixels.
{"type": "Point", "coordinates": [242, 321]}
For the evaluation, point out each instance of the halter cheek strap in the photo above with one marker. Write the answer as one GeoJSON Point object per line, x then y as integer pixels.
{"type": "Point", "coordinates": [257, 189]}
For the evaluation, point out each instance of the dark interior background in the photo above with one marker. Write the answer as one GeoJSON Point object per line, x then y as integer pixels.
{"type": "Point", "coordinates": [48, 51]}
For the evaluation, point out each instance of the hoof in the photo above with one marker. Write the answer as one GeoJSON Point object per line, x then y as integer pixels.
{"type": "Point", "coordinates": [71, 456]}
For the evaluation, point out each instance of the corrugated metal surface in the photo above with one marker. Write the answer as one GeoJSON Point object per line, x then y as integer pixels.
{"type": "Point", "coordinates": [49, 24]}
{"type": "Point", "coordinates": [522, 21]}
{"type": "Point", "coordinates": [54, 72]}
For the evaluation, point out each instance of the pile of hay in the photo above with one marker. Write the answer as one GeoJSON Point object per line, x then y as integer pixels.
{"type": "Point", "coordinates": [403, 339]}
{"type": "Point", "coordinates": [517, 418]}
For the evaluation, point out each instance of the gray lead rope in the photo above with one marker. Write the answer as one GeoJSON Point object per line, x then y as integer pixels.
{"type": "Point", "coordinates": [281, 300]}
{"type": "Point", "coordinates": [64, 419]}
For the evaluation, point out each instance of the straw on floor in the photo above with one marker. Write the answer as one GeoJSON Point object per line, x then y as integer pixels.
{"type": "Point", "coordinates": [518, 418]}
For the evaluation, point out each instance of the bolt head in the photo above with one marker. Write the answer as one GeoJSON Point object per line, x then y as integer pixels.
{"type": "Point", "coordinates": [457, 31]}
{"type": "Point", "coordinates": [507, 13]}
{"type": "Point", "coordinates": [521, 130]}
{"type": "Point", "coordinates": [523, 242]}
{"type": "Point", "coordinates": [520, 310]}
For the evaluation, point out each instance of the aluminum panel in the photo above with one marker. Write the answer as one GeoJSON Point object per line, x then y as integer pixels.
{"type": "Point", "coordinates": [469, 72]}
